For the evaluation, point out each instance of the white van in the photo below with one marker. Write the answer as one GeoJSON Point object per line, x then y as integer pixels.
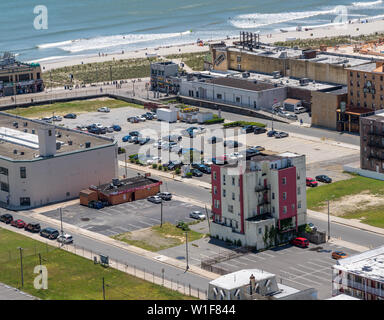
{"type": "Point", "coordinates": [300, 110]}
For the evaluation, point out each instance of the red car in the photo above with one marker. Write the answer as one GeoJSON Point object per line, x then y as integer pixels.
{"type": "Point", "coordinates": [18, 223]}
{"type": "Point", "coordinates": [310, 182]}
{"type": "Point", "coordinates": [300, 242]}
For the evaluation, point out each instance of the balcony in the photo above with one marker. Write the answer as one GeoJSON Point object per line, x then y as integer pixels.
{"type": "Point", "coordinates": [375, 145]}
{"type": "Point", "coordinates": [376, 133]}
{"type": "Point", "coordinates": [261, 188]}
{"type": "Point", "coordinates": [376, 156]}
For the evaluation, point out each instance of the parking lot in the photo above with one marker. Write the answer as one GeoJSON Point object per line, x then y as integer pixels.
{"type": "Point", "coordinates": [124, 217]}
{"type": "Point", "coordinates": [293, 266]}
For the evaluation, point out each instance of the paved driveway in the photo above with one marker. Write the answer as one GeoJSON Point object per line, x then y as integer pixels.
{"type": "Point", "coordinates": [10, 293]}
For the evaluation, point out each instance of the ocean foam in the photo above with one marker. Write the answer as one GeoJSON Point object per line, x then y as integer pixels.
{"type": "Point", "coordinates": [367, 4]}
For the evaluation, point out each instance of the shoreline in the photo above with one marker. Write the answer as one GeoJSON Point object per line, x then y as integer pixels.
{"type": "Point", "coordinates": [349, 29]}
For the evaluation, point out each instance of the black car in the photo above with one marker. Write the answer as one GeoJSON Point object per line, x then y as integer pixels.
{"type": "Point", "coordinates": [134, 133]}
{"type": "Point", "coordinates": [172, 165]}
{"type": "Point", "coordinates": [250, 152]}
{"type": "Point", "coordinates": [49, 233]}
{"type": "Point", "coordinates": [201, 167]}
{"type": "Point", "coordinates": [143, 141]}
{"type": "Point", "coordinates": [94, 130]}
{"type": "Point", "coordinates": [271, 133]}
{"type": "Point", "coordinates": [70, 116]}
{"type": "Point", "coordinates": [323, 178]}
{"type": "Point", "coordinates": [259, 130]}
{"type": "Point", "coordinates": [196, 173]}
{"type": "Point", "coordinates": [248, 129]}
{"type": "Point", "coordinates": [33, 227]}
{"type": "Point", "coordinates": [6, 218]}
{"type": "Point", "coordinates": [103, 130]}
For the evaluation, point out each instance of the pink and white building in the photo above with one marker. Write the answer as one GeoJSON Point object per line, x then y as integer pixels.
{"type": "Point", "coordinates": [268, 194]}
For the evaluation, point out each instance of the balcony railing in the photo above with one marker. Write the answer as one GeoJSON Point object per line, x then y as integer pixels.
{"type": "Point", "coordinates": [262, 188]}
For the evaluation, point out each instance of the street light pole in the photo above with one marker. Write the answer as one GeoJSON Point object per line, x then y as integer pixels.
{"type": "Point", "coordinates": [103, 289]}
{"type": "Point", "coordinates": [186, 249]}
{"type": "Point", "coordinates": [61, 222]}
{"type": "Point", "coordinates": [125, 156]}
{"type": "Point", "coordinates": [161, 213]}
{"type": "Point", "coordinates": [21, 266]}
{"type": "Point", "coordinates": [329, 223]}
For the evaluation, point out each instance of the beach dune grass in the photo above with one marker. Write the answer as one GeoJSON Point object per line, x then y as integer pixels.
{"type": "Point", "coordinates": [71, 277]}
{"type": "Point", "coordinates": [78, 107]}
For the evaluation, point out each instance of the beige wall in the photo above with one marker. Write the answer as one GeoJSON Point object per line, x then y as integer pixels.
{"type": "Point", "coordinates": [324, 106]}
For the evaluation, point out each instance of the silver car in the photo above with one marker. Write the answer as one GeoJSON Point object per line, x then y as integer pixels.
{"type": "Point", "coordinates": [65, 239]}
{"type": "Point", "coordinates": [155, 199]}
{"type": "Point", "coordinates": [197, 215]}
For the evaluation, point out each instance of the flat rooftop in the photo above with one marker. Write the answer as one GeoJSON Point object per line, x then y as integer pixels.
{"type": "Point", "coordinates": [369, 67]}
{"type": "Point", "coordinates": [128, 185]}
{"type": "Point", "coordinates": [23, 138]}
{"type": "Point", "coordinates": [369, 264]}
{"type": "Point", "coordinates": [241, 84]}
{"type": "Point", "coordinates": [295, 53]}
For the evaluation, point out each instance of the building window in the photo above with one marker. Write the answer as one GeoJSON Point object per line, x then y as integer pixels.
{"type": "Point", "coordinates": [284, 180]}
{"type": "Point", "coordinates": [224, 180]}
{"type": "Point", "coordinates": [299, 204]}
{"type": "Point", "coordinates": [273, 196]}
{"type": "Point", "coordinates": [260, 230]}
{"type": "Point", "coordinates": [4, 187]}
{"type": "Point", "coordinates": [215, 190]}
{"type": "Point", "coordinates": [233, 181]}
{"type": "Point", "coordinates": [68, 194]}
{"type": "Point", "coordinates": [238, 58]}
{"type": "Point", "coordinates": [230, 208]}
{"type": "Point", "coordinates": [233, 196]}
{"type": "Point", "coordinates": [293, 206]}
{"type": "Point", "coordinates": [298, 190]}
{"type": "Point", "coordinates": [238, 99]}
{"type": "Point", "coordinates": [219, 96]}
{"type": "Point", "coordinates": [217, 204]}
{"type": "Point", "coordinates": [284, 196]}
{"type": "Point", "coordinates": [23, 172]}
{"type": "Point", "coordinates": [224, 193]}
{"type": "Point", "coordinates": [50, 133]}
{"type": "Point", "coordinates": [214, 175]}
{"type": "Point", "coordinates": [285, 209]}
{"type": "Point", "coordinates": [4, 171]}
{"type": "Point", "coordinates": [26, 201]}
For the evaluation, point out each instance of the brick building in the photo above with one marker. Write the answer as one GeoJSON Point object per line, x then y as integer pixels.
{"type": "Point", "coordinates": [372, 142]}
{"type": "Point", "coordinates": [268, 195]}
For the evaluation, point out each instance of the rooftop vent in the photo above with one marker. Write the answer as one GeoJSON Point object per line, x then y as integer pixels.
{"type": "Point", "coordinates": [367, 268]}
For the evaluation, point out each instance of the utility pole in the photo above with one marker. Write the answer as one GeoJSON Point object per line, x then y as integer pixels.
{"type": "Point", "coordinates": [209, 223]}
{"type": "Point", "coordinates": [186, 249]}
{"type": "Point", "coordinates": [161, 213]}
{"type": "Point", "coordinates": [125, 156]}
{"type": "Point", "coordinates": [21, 266]}
{"type": "Point", "coordinates": [110, 72]}
{"type": "Point", "coordinates": [329, 224]}
{"type": "Point", "coordinates": [61, 221]}
{"type": "Point", "coordinates": [103, 289]}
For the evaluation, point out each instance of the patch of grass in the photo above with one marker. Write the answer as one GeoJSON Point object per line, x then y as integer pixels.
{"type": "Point", "coordinates": [372, 216]}
{"type": "Point", "coordinates": [194, 60]}
{"type": "Point", "coordinates": [242, 124]}
{"type": "Point", "coordinates": [159, 238]}
{"type": "Point", "coordinates": [78, 107]}
{"type": "Point", "coordinates": [317, 197]}
{"type": "Point", "coordinates": [71, 277]}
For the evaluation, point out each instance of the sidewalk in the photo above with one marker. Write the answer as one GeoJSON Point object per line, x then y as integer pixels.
{"type": "Point", "coordinates": [167, 175]}
{"type": "Point", "coordinates": [348, 222]}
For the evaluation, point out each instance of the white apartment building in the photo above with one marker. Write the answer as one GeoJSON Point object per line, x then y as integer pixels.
{"type": "Point", "coordinates": [42, 164]}
{"type": "Point", "coordinates": [269, 195]}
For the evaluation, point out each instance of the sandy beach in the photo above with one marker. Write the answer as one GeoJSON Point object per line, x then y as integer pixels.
{"type": "Point", "coordinates": [350, 29]}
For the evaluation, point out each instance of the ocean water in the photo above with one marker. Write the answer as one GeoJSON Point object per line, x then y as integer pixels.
{"type": "Point", "coordinates": [84, 27]}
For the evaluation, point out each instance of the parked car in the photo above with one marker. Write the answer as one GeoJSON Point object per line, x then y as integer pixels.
{"type": "Point", "coordinates": [154, 199]}
{"type": "Point", "coordinates": [323, 178]}
{"type": "Point", "coordinates": [271, 133]}
{"type": "Point", "coordinates": [133, 119]}
{"type": "Point", "coordinates": [258, 148]}
{"type": "Point", "coordinates": [143, 141]}
{"type": "Point", "coordinates": [310, 182]}
{"type": "Point", "coordinates": [300, 110]}
{"type": "Point", "coordinates": [95, 130]}
{"type": "Point", "coordinates": [57, 118]}
{"type": "Point", "coordinates": [109, 129]}
{"type": "Point", "coordinates": [104, 109]}
{"type": "Point", "coordinates": [70, 116]}
{"type": "Point", "coordinates": [197, 215]}
{"type": "Point", "coordinates": [196, 173]}
{"type": "Point", "coordinates": [33, 227]}
{"type": "Point", "coordinates": [339, 255]}
{"type": "Point", "coordinates": [151, 160]}
{"type": "Point", "coordinates": [281, 134]}
{"type": "Point", "coordinates": [95, 204]}
{"type": "Point", "coordinates": [134, 133]}
{"type": "Point", "coordinates": [247, 129]}
{"type": "Point", "coordinates": [259, 130]}
{"type": "Point", "coordinates": [312, 226]}
{"type": "Point", "coordinates": [133, 139]}
{"type": "Point", "coordinates": [65, 239]}
{"type": "Point", "coordinates": [300, 242]}
{"type": "Point", "coordinates": [236, 156]}
{"type": "Point", "coordinates": [214, 139]}
{"type": "Point", "coordinates": [82, 128]}
{"type": "Point", "coordinates": [165, 195]}
{"type": "Point", "coordinates": [201, 167]}
{"type": "Point", "coordinates": [292, 116]}
{"type": "Point", "coordinates": [18, 223]}
{"type": "Point", "coordinates": [142, 118]}
{"type": "Point", "coordinates": [158, 144]}
{"type": "Point", "coordinates": [47, 119]}
{"type": "Point", "coordinates": [250, 152]}
{"type": "Point", "coordinates": [116, 127]}
{"type": "Point", "coordinates": [173, 165]}
{"type": "Point", "coordinates": [231, 144]}
{"type": "Point", "coordinates": [169, 146]}
{"type": "Point", "coordinates": [126, 138]}
{"type": "Point", "coordinates": [49, 233]}
{"type": "Point", "coordinates": [172, 138]}
{"type": "Point", "coordinates": [6, 218]}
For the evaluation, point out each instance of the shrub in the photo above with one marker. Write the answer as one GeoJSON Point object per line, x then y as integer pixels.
{"type": "Point", "coordinates": [214, 120]}
{"type": "Point", "coordinates": [242, 124]}
{"type": "Point", "coordinates": [165, 169]}
{"type": "Point", "coordinates": [154, 166]}
{"type": "Point", "coordinates": [177, 171]}
{"type": "Point", "coordinates": [132, 161]}
{"type": "Point", "coordinates": [188, 174]}
{"type": "Point", "coordinates": [160, 168]}
{"type": "Point", "coordinates": [133, 156]}
{"type": "Point", "coordinates": [137, 161]}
